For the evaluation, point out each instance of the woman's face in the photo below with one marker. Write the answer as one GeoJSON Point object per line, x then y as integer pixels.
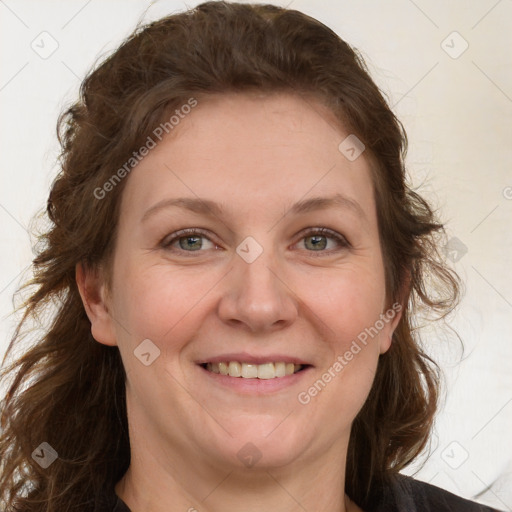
{"type": "Point", "coordinates": [254, 282]}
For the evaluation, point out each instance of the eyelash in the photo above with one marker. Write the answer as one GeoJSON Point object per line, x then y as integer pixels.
{"type": "Point", "coordinates": [184, 233]}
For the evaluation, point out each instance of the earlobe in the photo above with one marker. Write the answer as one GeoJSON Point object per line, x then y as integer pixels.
{"type": "Point", "coordinates": [392, 316]}
{"type": "Point", "coordinates": [92, 291]}
{"type": "Point", "coordinates": [394, 313]}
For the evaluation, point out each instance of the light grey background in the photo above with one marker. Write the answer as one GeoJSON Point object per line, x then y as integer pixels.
{"type": "Point", "coordinates": [456, 105]}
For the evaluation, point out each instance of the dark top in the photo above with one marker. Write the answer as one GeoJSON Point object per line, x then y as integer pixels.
{"type": "Point", "coordinates": [404, 495]}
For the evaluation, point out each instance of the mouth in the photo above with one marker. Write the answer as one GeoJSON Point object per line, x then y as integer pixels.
{"type": "Point", "coordinates": [247, 370]}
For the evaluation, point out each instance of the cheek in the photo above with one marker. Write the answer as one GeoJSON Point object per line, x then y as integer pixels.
{"type": "Point", "coordinates": [350, 307]}
{"type": "Point", "coordinates": [166, 307]}
{"type": "Point", "coordinates": [161, 303]}
{"type": "Point", "coordinates": [348, 300]}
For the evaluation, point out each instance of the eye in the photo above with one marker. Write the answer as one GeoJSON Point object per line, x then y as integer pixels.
{"type": "Point", "coordinates": [188, 240]}
{"type": "Point", "coordinates": [317, 240]}
{"type": "Point", "coordinates": [314, 240]}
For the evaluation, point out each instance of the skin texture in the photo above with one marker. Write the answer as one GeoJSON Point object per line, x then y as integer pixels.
{"type": "Point", "coordinates": [256, 155]}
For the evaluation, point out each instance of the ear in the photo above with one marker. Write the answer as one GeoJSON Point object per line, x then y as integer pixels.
{"type": "Point", "coordinates": [94, 297]}
{"type": "Point", "coordinates": [392, 315]}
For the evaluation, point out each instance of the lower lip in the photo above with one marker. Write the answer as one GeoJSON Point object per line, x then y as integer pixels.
{"type": "Point", "coordinates": [256, 386]}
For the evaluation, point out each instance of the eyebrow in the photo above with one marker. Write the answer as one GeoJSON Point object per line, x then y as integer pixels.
{"type": "Point", "coordinates": [213, 209]}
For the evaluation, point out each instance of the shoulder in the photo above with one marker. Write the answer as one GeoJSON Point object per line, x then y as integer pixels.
{"type": "Point", "coordinates": [120, 506]}
{"type": "Point", "coordinates": [439, 499]}
{"type": "Point", "coordinates": [406, 494]}
{"type": "Point", "coordinates": [109, 501]}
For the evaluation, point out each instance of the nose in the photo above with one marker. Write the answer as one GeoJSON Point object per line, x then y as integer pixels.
{"type": "Point", "coordinates": [257, 296]}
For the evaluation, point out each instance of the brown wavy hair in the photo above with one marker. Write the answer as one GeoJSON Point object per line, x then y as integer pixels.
{"type": "Point", "coordinates": [69, 390]}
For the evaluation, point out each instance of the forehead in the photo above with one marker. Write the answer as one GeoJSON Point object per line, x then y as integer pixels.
{"type": "Point", "coordinates": [251, 149]}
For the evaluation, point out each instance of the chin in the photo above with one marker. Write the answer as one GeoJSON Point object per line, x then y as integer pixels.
{"type": "Point", "coordinates": [264, 444]}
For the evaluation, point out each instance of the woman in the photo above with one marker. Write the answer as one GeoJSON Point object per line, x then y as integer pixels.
{"type": "Point", "coordinates": [235, 258]}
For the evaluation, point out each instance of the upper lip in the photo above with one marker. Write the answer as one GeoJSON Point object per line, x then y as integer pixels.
{"type": "Point", "coordinates": [245, 357]}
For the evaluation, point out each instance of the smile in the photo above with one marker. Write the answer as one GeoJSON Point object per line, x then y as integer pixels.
{"type": "Point", "coordinates": [253, 371]}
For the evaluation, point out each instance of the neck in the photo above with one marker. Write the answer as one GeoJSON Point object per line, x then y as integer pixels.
{"type": "Point", "coordinates": [171, 471]}
{"type": "Point", "coordinates": [156, 481]}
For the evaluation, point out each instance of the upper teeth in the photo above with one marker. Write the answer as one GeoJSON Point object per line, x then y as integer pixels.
{"type": "Point", "coordinates": [253, 371]}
